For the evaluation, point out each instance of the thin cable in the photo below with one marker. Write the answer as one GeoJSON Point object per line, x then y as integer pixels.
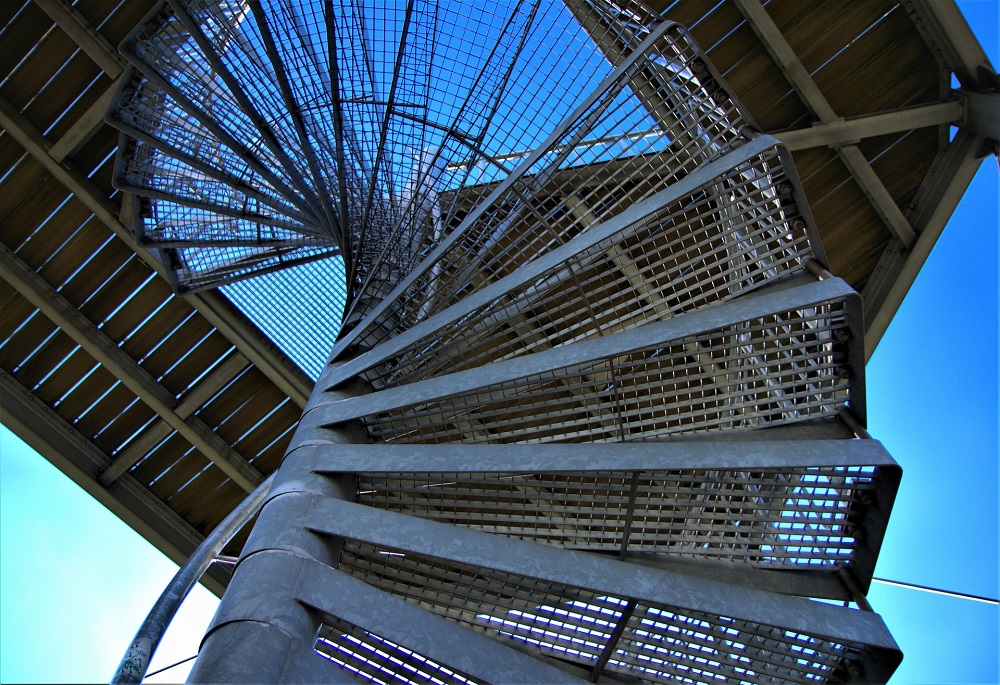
{"type": "Point", "coordinates": [167, 668]}
{"type": "Point", "coordinates": [937, 591]}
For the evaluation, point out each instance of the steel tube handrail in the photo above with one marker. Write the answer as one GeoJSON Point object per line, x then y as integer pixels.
{"type": "Point", "coordinates": [135, 663]}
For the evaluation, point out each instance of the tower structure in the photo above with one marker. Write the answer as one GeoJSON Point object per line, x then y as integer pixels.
{"type": "Point", "coordinates": [642, 273]}
{"type": "Point", "coordinates": [582, 331]}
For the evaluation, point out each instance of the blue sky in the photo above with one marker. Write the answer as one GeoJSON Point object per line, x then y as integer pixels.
{"type": "Point", "coordinates": [75, 582]}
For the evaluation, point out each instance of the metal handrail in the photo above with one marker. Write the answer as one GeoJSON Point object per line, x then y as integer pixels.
{"type": "Point", "coordinates": [135, 663]}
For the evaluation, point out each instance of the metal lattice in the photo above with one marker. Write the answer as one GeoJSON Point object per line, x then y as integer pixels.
{"type": "Point", "coordinates": [659, 644]}
{"type": "Point", "coordinates": [789, 518]}
{"type": "Point", "coordinates": [557, 226]}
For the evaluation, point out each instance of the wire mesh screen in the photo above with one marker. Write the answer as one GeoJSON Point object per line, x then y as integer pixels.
{"type": "Point", "coordinates": [656, 643]}
{"type": "Point", "coordinates": [299, 309]}
{"type": "Point", "coordinates": [771, 370]}
{"type": "Point", "coordinates": [793, 518]}
{"type": "Point", "coordinates": [617, 148]}
{"type": "Point", "coordinates": [369, 127]}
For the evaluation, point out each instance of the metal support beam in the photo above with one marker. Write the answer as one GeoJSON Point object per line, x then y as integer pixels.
{"type": "Point", "coordinates": [433, 637]}
{"type": "Point", "coordinates": [841, 132]}
{"type": "Point", "coordinates": [618, 457]}
{"type": "Point", "coordinates": [616, 635]}
{"type": "Point", "coordinates": [817, 584]}
{"type": "Point", "coordinates": [949, 35]}
{"type": "Point", "coordinates": [786, 59]}
{"type": "Point", "coordinates": [882, 201]}
{"type": "Point", "coordinates": [218, 312]}
{"type": "Point", "coordinates": [83, 34]}
{"type": "Point", "coordinates": [982, 114]}
{"type": "Point", "coordinates": [114, 360]}
{"type": "Point", "coordinates": [769, 301]}
{"type": "Point", "coordinates": [936, 200]}
{"type": "Point", "coordinates": [55, 439]}
{"type": "Point", "coordinates": [605, 576]}
{"type": "Point", "coordinates": [204, 391]}
{"type": "Point", "coordinates": [85, 127]}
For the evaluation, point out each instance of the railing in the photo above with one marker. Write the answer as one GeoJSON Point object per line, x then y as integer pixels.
{"type": "Point", "coordinates": [135, 663]}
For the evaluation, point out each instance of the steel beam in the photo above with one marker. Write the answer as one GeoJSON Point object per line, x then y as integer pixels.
{"type": "Point", "coordinates": [612, 645]}
{"type": "Point", "coordinates": [83, 34]}
{"type": "Point", "coordinates": [769, 301]}
{"type": "Point", "coordinates": [85, 127]}
{"type": "Point", "coordinates": [605, 576]}
{"type": "Point", "coordinates": [200, 394]}
{"type": "Point", "coordinates": [216, 310]}
{"type": "Point", "coordinates": [949, 36]}
{"type": "Point", "coordinates": [843, 132]}
{"type": "Point", "coordinates": [583, 458]}
{"type": "Point", "coordinates": [813, 583]}
{"type": "Point", "coordinates": [55, 439]}
{"type": "Point", "coordinates": [431, 636]}
{"type": "Point", "coordinates": [982, 114]}
{"type": "Point", "coordinates": [880, 198]}
{"type": "Point", "coordinates": [786, 59]}
{"type": "Point", "coordinates": [938, 196]}
{"type": "Point", "coordinates": [115, 360]}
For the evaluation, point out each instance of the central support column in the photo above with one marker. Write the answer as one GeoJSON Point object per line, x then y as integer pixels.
{"type": "Point", "coordinates": [260, 633]}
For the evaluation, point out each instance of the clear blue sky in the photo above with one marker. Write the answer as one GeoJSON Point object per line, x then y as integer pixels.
{"type": "Point", "coordinates": [75, 582]}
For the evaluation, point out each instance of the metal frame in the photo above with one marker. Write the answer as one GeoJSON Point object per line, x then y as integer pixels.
{"type": "Point", "coordinates": [946, 36]}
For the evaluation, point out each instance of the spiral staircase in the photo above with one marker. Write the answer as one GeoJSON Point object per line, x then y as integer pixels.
{"type": "Point", "coordinates": [596, 409]}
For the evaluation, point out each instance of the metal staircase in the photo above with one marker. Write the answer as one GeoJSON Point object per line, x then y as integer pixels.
{"type": "Point", "coordinates": [597, 409]}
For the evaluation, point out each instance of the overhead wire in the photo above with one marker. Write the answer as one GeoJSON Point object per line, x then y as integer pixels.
{"type": "Point", "coordinates": [937, 591]}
